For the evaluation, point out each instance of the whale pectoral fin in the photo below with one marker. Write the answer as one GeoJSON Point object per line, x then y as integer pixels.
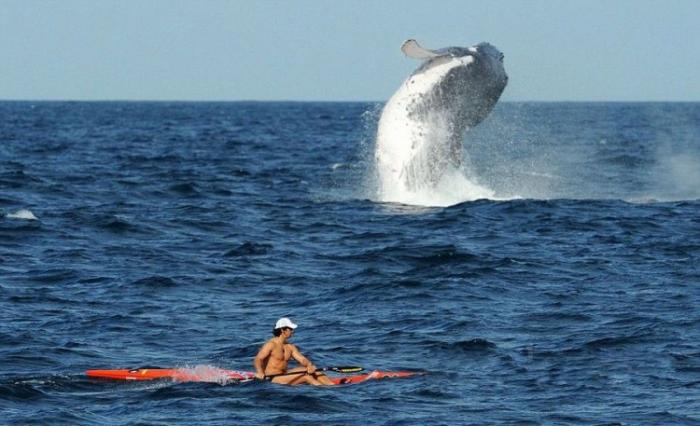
{"type": "Point", "coordinates": [412, 49]}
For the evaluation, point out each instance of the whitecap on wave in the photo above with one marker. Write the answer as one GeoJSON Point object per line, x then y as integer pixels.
{"type": "Point", "coordinates": [23, 214]}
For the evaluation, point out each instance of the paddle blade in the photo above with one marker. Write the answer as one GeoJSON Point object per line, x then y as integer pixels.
{"type": "Point", "coordinates": [346, 370]}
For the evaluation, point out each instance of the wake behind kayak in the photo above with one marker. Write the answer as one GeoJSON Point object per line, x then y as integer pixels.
{"type": "Point", "coordinates": [200, 373]}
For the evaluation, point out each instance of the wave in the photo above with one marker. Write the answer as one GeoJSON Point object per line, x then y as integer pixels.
{"type": "Point", "coordinates": [155, 281]}
{"type": "Point", "coordinates": [461, 346]}
{"type": "Point", "coordinates": [22, 214]}
{"type": "Point", "coordinates": [188, 189]}
{"type": "Point", "coordinates": [249, 249]}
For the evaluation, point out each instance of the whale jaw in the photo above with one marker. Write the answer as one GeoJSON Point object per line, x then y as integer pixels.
{"type": "Point", "coordinates": [419, 137]}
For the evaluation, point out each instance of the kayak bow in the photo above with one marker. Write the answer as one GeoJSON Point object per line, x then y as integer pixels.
{"type": "Point", "coordinates": [375, 375]}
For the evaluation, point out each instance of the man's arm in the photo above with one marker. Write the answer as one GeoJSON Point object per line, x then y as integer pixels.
{"type": "Point", "coordinates": [301, 359]}
{"type": "Point", "coordinates": [262, 355]}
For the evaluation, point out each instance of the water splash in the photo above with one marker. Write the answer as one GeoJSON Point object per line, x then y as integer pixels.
{"type": "Point", "coordinates": [212, 374]}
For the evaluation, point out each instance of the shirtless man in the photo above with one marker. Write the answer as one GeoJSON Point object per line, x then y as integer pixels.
{"type": "Point", "coordinates": [274, 356]}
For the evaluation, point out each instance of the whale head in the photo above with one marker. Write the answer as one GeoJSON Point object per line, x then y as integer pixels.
{"type": "Point", "coordinates": [420, 132]}
{"type": "Point", "coordinates": [462, 81]}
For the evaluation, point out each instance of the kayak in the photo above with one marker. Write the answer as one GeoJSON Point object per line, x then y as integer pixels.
{"type": "Point", "coordinates": [205, 373]}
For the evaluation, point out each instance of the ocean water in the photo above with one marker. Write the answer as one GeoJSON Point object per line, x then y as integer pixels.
{"type": "Point", "coordinates": [175, 234]}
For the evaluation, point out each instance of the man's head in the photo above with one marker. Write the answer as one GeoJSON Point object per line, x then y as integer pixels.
{"type": "Point", "coordinates": [283, 325]}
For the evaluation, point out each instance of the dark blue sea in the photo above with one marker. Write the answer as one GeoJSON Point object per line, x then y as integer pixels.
{"type": "Point", "coordinates": [175, 235]}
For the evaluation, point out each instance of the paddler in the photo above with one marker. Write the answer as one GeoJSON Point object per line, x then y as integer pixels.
{"type": "Point", "coordinates": [273, 357]}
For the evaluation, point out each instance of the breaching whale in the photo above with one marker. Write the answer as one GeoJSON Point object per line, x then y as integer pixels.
{"type": "Point", "coordinates": [419, 136]}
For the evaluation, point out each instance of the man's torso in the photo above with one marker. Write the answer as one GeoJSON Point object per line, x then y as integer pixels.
{"type": "Point", "coordinates": [278, 359]}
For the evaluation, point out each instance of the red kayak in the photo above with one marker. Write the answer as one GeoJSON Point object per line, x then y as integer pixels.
{"type": "Point", "coordinates": [206, 373]}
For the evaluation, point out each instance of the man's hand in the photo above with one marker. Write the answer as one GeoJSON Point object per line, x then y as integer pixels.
{"type": "Point", "coordinates": [311, 369]}
{"type": "Point", "coordinates": [259, 375]}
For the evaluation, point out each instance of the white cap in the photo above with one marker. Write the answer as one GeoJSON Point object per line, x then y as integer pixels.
{"type": "Point", "coordinates": [285, 322]}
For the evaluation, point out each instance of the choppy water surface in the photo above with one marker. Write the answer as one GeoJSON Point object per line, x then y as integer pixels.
{"type": "Point", "coordinates": [175, 234]}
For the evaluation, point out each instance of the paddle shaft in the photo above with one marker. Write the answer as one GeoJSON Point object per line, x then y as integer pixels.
{"type": "Point", "coordinates": [336, 369]}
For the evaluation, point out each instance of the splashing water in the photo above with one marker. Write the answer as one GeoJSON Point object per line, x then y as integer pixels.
{"type": "Point", "coordinates": [212, 374]}
{"type": "Point", "coordinates": [429, 178]}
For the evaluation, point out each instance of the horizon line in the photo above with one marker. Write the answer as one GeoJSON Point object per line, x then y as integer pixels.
{"type": "Point", "coordinates": [318, 101]}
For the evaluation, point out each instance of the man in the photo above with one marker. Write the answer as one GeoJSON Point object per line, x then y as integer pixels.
{"type": "Point", "coordinates": [273, 357]}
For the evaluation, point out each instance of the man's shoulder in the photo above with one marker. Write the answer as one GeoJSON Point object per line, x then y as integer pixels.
{"type": "Point", "coordinates": [274, 343]}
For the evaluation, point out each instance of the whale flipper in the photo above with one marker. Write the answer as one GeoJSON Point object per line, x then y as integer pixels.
{"type": "Point", "coordinates": [412, 49]}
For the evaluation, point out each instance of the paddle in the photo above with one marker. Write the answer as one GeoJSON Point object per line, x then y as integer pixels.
{"type": "Point", "coordinates": [353, 369]}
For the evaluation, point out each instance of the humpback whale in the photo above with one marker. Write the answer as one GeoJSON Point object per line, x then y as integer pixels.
{"type": "Point", "coordinates": [420, 131]}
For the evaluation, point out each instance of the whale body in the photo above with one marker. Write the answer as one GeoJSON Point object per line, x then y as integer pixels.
{"type": "Point", "coordinates": [419, 135]}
